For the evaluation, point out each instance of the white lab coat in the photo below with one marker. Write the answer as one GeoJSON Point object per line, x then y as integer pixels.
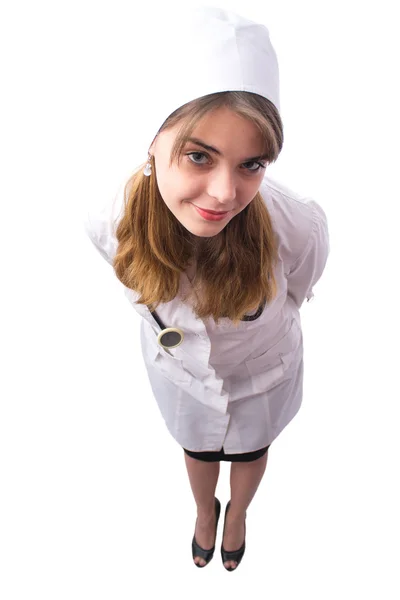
{"type": "Point", "coordinates": [229, 387]}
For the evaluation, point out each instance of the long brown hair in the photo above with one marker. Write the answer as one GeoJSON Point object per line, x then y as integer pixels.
{"type": "Point", "coordinates": [235, 268]}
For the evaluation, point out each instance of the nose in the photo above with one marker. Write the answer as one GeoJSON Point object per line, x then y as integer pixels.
{"type": "Point", "coordinates": [222, 186]}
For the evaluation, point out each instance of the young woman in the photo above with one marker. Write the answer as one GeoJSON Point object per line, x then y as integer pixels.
{"type": "Point", "coordinates": [218, 258]}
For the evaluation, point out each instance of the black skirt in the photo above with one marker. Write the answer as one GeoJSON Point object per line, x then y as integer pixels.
{"type": "Point", "coordinates": [220, 455]}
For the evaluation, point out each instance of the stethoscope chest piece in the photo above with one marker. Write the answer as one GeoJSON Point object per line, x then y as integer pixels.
{"type": "Point", "coordinates": [171, 337]}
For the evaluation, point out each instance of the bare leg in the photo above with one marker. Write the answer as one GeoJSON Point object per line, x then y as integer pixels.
{"type": "Point", "coordinates": [203, 477]}
{"type": "Point", "coordinates": [245, 479]}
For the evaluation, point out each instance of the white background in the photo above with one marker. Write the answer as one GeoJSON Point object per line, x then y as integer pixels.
{"type": "Point", "coordinates": [95, 500]}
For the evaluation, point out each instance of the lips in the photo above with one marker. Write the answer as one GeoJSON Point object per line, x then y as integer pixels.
{"type": "Point", "coordinates": [212, 212]}
{"type": "Point", "coordinates": [211, 215]}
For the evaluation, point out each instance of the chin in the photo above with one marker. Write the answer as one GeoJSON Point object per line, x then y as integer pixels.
{"type": "Point", "coordinates": [203, 232]}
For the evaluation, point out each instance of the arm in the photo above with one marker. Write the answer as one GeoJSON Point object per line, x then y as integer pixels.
{"type": "Point", "coordinates": [309, 266]}
{"type": "Point", "coordinates": [100, 225]}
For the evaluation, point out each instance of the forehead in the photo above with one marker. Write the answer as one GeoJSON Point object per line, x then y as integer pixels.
{"type": "Point", "coordinates": [221, 126]}
{"type": "Point", "coordinates": [224, 119]}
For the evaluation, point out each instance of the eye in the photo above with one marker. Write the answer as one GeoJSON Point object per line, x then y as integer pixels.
{"type": "Point", "coordinates": [197, 154]}
{"type": "Point", "coordinates": [258, 166]}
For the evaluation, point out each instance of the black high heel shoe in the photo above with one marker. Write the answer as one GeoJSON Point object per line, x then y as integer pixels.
{"type": "Point", "coordinates": [198, 550]}
{"type": "Point", "coordinates": [235, 555]}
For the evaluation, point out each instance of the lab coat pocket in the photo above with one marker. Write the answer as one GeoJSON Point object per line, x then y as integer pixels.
{"type": "Point", "coordinates": [171, 367]}
{"type": "Point", "coordinates": [268, 369]}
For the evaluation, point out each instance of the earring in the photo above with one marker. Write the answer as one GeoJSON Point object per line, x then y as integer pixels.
{"type": "Point", "coordinates": [147, 169]}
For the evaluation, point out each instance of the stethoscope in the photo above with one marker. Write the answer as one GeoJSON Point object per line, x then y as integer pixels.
{"type": "Point", "coordinates": [172, 337]}
{"type": "Point", "coordinates": [169, 337]}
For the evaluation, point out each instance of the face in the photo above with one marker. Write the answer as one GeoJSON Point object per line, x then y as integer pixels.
{"type": "Point", "coordinates": [223, 177]}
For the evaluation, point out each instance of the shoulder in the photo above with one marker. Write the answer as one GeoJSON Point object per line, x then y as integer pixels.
{"type": "Point", "coordinates": [101, 219]}
{"type": "Point", "coordinates": [294, 218]}
{"type": "Point", "coordinates": [107, 213]}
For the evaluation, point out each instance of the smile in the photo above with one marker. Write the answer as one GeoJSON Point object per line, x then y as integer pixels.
{"type": "Point", "coordinates": [211, 215]}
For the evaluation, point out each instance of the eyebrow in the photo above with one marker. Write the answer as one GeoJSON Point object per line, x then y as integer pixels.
{"type": "Point", "coordinates": [216, 151]}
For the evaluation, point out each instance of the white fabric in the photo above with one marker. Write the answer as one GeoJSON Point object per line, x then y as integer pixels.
{"type": "Point", "coordinates": [225, 386]}
{"type": "Point", "coordinates": [203, 51]}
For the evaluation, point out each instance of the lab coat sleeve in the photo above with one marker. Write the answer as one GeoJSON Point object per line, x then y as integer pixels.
{"type": "Point", "coordinates": [309, 266]}
{"type": "Point", "coordinates": [100, 225]}
{"type": "Point", "coordinates": [98, 238]}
